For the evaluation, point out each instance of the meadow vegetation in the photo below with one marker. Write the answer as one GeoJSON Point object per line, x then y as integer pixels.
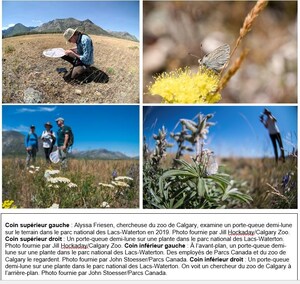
{"type": "Point", "coordinates": [201, 180]}
{"type": "Point", "coordinates": [83, 185]}
{"type": "Point", "coordinates": [271, 185]}
{"type": "Point", "coordinates": [24, 66]}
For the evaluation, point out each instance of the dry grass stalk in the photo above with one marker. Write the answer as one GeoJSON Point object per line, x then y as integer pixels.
{"type": "Point", "coordinates": [276, 192]}
{"type": "Point", "coordinates": [246, 28]}
{"type": "Point", "coordinates": [249, 20]}
{"type": "Point", "coordinates": [233, 69]}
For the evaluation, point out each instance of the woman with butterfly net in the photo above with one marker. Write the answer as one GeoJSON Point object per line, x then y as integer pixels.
{"type": "Point", "coordinates": [81, 56]}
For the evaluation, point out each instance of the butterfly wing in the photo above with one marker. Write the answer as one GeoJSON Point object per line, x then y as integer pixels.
{"type": "Point", "coordinates": [217, 58]}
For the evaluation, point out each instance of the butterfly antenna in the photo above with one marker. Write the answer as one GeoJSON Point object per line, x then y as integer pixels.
{"type": "Point", "coordinates": [193, 55]}
{"type": "Point", "coordinates": [202, 53]}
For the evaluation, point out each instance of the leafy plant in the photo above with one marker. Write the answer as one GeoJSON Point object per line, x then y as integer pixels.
{"type": "Point", "coordinates": [189, 185]}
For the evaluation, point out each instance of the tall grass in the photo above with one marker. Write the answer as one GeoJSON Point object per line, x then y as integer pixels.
{"type": "Point", "coordinates": [29, 188]}
{"type": "Point", "coordinates": [271, 185]}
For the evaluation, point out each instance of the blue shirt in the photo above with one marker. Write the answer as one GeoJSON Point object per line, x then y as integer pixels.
{"type": "Point", "coordinates": [85, 49]}
{"type": "Point", "coordinates": [31, 140]}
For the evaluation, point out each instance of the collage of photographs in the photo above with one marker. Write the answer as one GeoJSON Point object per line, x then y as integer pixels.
{"type": "Point", "coordinates": [149, 105]}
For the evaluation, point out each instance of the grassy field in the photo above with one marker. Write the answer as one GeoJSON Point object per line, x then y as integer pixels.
{"type": "Point", "coordinates": [270, 186]}
{"type": "Point", "coordinates": [78, 187]}
{"type": "Point", "coordinates": [25, 66]}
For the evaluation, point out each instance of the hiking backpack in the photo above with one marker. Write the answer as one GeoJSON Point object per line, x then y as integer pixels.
{"type": "Point", "coordinates": [71, 138]}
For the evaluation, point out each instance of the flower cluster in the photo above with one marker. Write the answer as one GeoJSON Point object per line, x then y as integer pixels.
{"type": "Point", "coordinates": [123, 178]}
{"type": "Point", "coordinates": [72, 185]}
{"type": "Point", "coordinates": [8, 204]}
{"type": "Point", "coordinates": [56, 182]}
{"type": "Point", "coordinates": [120, 184]}
{"type": "Point", "coordinates": [117, 182]}
{"type": "Point", "coordinates": [33, 169]}
{"type": "Point", "coordinates": [54, 206]}
{"type": "Point", "coordinates": [104, 205]}
{"type": "Point", "coordinates": [49, 173]}
{"type": "Point", "coordinates": [106, 185]}
{"type": "Point", "coordinates": [182, 86]}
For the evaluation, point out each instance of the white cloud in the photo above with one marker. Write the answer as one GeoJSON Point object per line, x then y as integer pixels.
{"type": "Point", "coordinates": [39, 109]}
{"type": "Point", "coordinates": [8, 26]}
{"type": "Point", "coordinates": [20, 128]}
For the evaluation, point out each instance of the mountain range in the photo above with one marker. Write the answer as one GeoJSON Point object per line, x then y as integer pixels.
{"type": "Point", "coordinates": [60, 25]}
{"type": "Point", "coordinates": [13, 145]}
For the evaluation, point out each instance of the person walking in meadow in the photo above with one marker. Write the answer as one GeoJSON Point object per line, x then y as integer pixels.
{"type": "Point", "coordinates": [32, 145]}
{"type": "Point", "coordinates": [81, 56]}
{"type": "Point", "coordinates": [271, 125]}
{"type": "Point", "coordinates": [64, 141]}
{"type": "Point", "coordinates": [48, 138]}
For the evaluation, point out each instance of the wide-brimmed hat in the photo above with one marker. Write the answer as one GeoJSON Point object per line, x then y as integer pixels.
{"type": "Point", "coordinates": [60, 118]}
{"type": "Point", "coordinates": [69, 33]}
{"type": "Point", "coordinates": [48, 124]}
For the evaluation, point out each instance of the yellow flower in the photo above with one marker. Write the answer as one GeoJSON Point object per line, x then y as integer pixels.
{"type": "Point", "coordinates": [8, 204]}
{"type": "Point", "coordinates": [182, 86]}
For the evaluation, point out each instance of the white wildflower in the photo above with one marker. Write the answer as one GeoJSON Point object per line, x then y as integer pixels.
{"type": "Point", "coordinates": [52, 172]}
{"type": "Point", "coordinates": [123, 178]}
{"type": "Point", "coordinates": [54, 206]}
{"type": "Point", "coordinates": [71, 185]}
{"type": "Point", "coordinates": [31, 167]}
{"type": "Point", "coordinates": [120, 184]}
{"type": "Point", "coordinates": [49, 173]}
{"type": "Point", "coordinates": [32, 172]}
{"type": "Point", "coordinates": [106, 185]}
{"type": "Point", "coordinates": [105, 204]}
{"type": "Point", "coordinates": [58, 180]}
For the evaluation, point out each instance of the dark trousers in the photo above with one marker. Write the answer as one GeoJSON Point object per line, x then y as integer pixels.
{"type": "Point", "coordinates": [31, 154]}
{"type": "Point", "coordinates": [48, 151]}
{"type": "Point", "coordinates": [77, 69]}
{"type": "Point", "coordinates": [74, 61]}
{"type": "Point", "coordinates": [277, 138]}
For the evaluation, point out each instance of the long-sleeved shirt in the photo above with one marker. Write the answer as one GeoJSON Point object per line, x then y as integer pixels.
{"type": "Point", "coordinates": [85, 49]}
{"type": "Point", "coordinates": [271, 125]}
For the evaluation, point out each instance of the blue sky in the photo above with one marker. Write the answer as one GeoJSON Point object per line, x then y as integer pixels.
{"type": "Point", "coordinates": [238, 131]}
{"type": "Point", "coordinates": [109, 15]}
{"type": "Point", "coordinates": [114, 128]}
